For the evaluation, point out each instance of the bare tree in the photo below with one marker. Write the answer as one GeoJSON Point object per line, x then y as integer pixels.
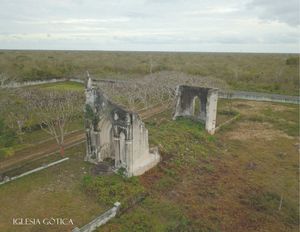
{"type": "Point", "coordinates": [150, 64]}
{"type": "Point", "coordinates": [18, 118]}
{"type": "Point", "coordinates": [17, 113]}
{"type": "Point", "coordinates": [156, 88]}
{"type": "Point", "coordinates": [236, 73]}
{"type": "Point", "coordinates": [3, 79]}
{"type": "Point", "coordinates": [55, 110]}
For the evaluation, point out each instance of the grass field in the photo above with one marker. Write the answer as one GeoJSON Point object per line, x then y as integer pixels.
{"type": "Point", "coordinates": [250, 72]}
{"type": "Point", "coordinates": [232, 181]}
{"type": "Point", "coordinates": [72, 86]}
{"type": "Point", "coordinates": [54, 192]}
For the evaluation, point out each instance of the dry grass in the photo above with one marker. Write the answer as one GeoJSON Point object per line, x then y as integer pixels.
{"type": "Point", "coordinates": [255, 131]}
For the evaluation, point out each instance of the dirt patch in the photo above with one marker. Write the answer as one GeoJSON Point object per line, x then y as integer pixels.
{"type": "Point", "coordinates": [40, 150]}
{"type": "Point", "coordinates": [249, 106]}
{"type": "Point", "coordinates": [255, 130]}
{"type": "Point", "coordinates": [102, 168]}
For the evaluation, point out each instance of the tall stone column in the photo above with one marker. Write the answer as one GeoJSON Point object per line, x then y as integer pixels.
{"type": "Point", "coordinates": [88, 145]}
{"type": "Point", "coordinates": [177, 111]}
{"type": "Point", "coordinates": [129, 157]}
{"type": "Point", "coordinates": [116, 148]}
{"type": "Point", "coordinates": [98, 146]}
{"type": "Point", "coordinates": [211, 111]}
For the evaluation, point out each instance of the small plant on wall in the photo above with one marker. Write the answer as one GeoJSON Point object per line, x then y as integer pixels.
{"type": "Point", "coordinates": [91, 116]}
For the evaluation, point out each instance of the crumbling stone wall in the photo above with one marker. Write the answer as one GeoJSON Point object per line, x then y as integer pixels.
{"type": "Point", "coordinates": [113, 132]}
{"type": "Point", "coordinates": [186, 104]}
{"type": "Point", "coordinates": [100, 220]}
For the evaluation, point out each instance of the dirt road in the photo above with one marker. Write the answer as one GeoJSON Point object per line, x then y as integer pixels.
{"type": "Point", "coordinates": [50, 146]}
{"type": "Point", "coordinates": [40, 150]}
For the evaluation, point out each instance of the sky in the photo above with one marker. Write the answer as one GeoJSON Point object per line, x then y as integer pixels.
{"type": "Point", "coordinates": [151, 25]}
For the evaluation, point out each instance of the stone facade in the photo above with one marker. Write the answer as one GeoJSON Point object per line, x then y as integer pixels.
{"type": "Point", "coordinates": [207, 109]}
{"type": "Point", "coordinates": [116, 133]}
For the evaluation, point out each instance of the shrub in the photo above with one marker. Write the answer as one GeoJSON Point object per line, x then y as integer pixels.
{"type": "Point", "coordinates": [268, 202]}
{"type": "Point", "coordinates": [140, 223]}
{"type": "Point", "coordinates": [293, 60]}
{"type": "Point", "coordinates": [7, 136]}
{"type": "Point", "coordinates": [208, 168]}
{"type": "Point", "coordinates": [228, 112]}
{"type": "Point", "coordinates": [109, 189]}
{"type": "Point", "coordinates": [5, 152]}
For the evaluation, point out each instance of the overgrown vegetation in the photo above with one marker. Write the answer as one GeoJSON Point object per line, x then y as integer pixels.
{"type": "Point", "coordinates": [214, 183]}
{"type": "Point", "coordinates": [293, 60]}
{"type": "Point", "coordinates": [275, 73]}
{"type": "Point", "coordinates": [152, 214]}
{"type": "Point", "coordinates": [269, 203]}
{"type": "Point", "coordinates": [7, 139]}
{"type": "Point", "coordinates": [110, 189]}
{"type": "Point", "coordinates": [203, 183]}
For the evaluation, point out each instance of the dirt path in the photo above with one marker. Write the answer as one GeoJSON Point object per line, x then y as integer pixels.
{"type": "Point", "coordinates": [50, 146]}
{"type": "Point", "coordinates": [153, 110]}
{"type": "Point", "coordinates": [42, 149]}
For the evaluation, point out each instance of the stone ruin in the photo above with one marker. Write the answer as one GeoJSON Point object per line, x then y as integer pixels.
{"type": "Point", "coordinates": [206, 110]}
{"type": "Point", "coordinates": [116, 133]}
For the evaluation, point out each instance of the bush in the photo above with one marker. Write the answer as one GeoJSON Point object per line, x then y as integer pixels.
{"type": "Point", "coordinates": [109, 189]}
{"type": "Point", "coordinates": [293, 60]}
{"type": "Point", "coordinates": [208, 168]}
{"type": "Point", "coordinates": [6, 152]}
{"type": "Point", "coordinates": [268, 202]}
{"type": "Point", "coordinates": [140, 223]}
{"type": "Point", "coordinates": [228, 112]}
{"type": "Point", "coordinates": [7, 136]}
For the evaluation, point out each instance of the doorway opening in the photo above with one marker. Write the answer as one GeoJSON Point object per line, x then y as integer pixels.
{"type": "Point", "coordinates": [197, 107]}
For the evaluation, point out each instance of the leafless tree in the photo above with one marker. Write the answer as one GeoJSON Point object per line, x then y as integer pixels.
{"type": "Point", "coordinates": [55, 110]}
{"type": "Point", "coordinates": [18, 118]}
{"type": "Point", "coordinates": [16, 112]}
{"type": "Point", "coordinates": [156, 88]}
{"type": "Point", "coordinates": [150, 64]}
{"type": "Point", "coordinates": [3, 79]}
{"type": "Point", "coordinates": [236, 73]}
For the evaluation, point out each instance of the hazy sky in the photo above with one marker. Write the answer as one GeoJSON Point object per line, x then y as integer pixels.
{"type": "Point", "coordinates": [160, 25]}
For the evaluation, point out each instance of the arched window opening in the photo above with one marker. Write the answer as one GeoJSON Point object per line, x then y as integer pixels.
{"type": "Point", "coordinates": [122, 148]}
{"type": "Point", "coordinates": [197, 107]}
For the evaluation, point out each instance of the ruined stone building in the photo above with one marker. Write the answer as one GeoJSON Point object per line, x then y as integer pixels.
{"type": "Point", "coordinates": [205, 111]}
{"type": "Point", "coordinates": [116, 133]}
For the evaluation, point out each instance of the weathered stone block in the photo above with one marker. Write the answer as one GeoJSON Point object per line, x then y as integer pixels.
{"type": "Point", "coordinates": [207, 109]}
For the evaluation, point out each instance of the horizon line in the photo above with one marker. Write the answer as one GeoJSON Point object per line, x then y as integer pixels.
{"type": "Point", "coordinates": [148, 51]}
